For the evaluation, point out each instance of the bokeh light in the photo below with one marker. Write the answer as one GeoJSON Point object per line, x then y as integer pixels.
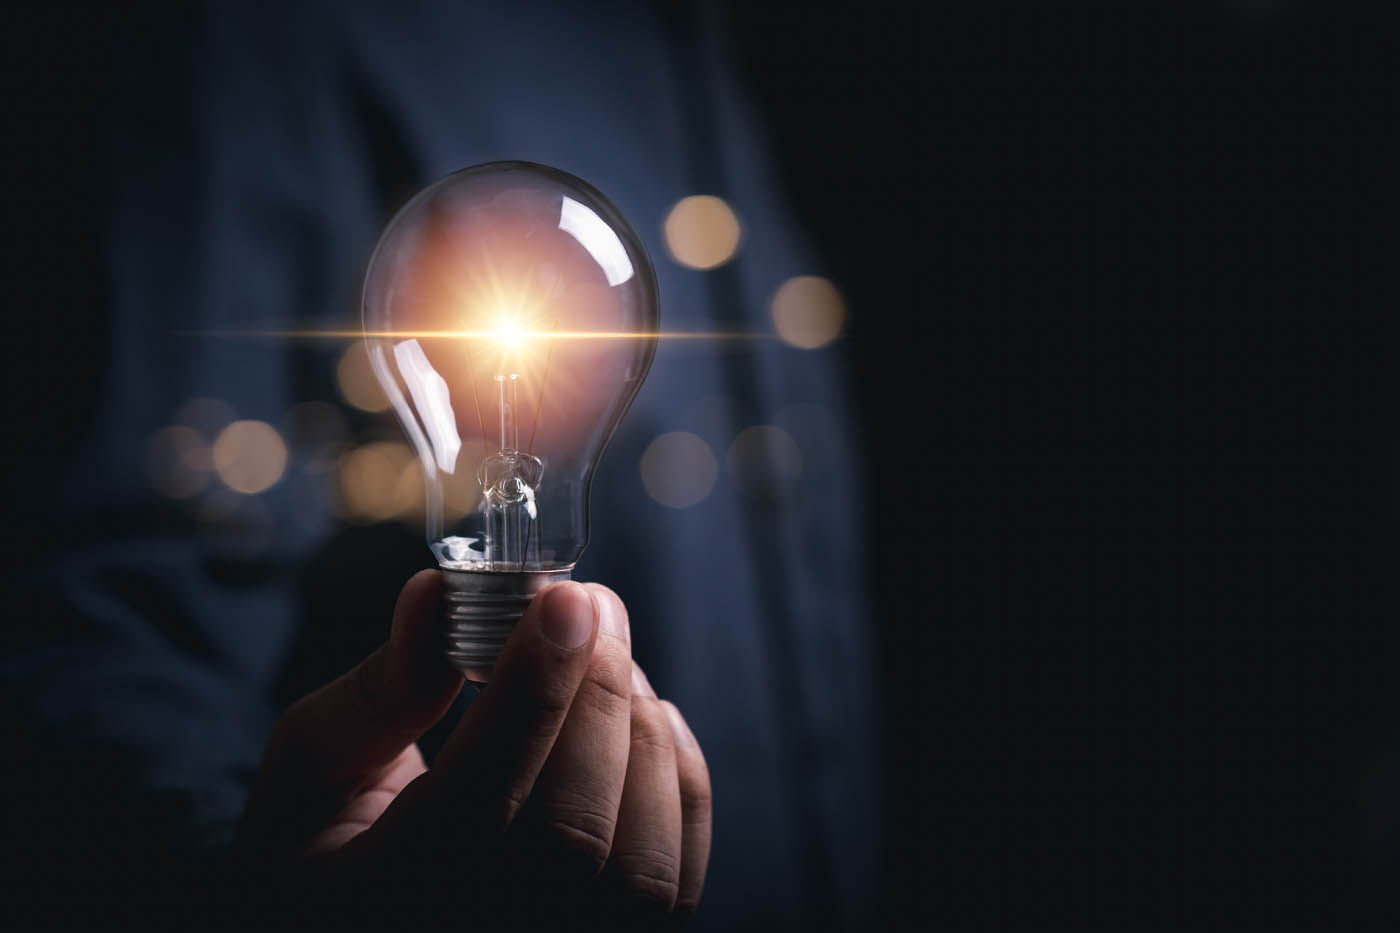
{"type": "Point", "coordinates": [379, 481]}
{"type": "Point", "coordinates": [176, 461]}
{"type": "Point", "coordinates": [250, 456]}
{"type": "Point", "coordinates": [702, 232]}
{"type": "Point", "coordinates": [764, 462]}
{"type": "Point", "coordinates": [356, 381]}
{"type": "Point", "coordinates": [678, 469]}
{"type": "Point", "coordinates": [808, 311]}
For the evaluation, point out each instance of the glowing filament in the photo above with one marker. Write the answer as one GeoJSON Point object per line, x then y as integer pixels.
{"type": "Point", "coordinates": [510, 332]}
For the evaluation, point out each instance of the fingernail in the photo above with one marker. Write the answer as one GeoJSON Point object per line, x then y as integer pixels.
{"type": "Point", "coordinates": [612, 618]}
{"type": "Point", "coordinates": [567, 612]}
{"type": "Point", "coordinates": [640, 686]}
{"type": "Point", "coordinates": [678, 727]}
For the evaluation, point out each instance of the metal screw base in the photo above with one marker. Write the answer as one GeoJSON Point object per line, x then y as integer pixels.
{"type": "Point", "coordinates": [480, 609]}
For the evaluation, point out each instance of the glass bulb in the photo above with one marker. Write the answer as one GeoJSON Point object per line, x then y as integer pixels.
{"type": "Point", "coordinates": [510, 314]}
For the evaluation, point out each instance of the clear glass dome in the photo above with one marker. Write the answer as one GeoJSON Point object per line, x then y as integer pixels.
{"type": "Point", "coordinates": [511, 315]}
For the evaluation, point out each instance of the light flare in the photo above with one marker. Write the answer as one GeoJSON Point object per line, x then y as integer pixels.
{"type": "Point", "coordinates": [493, 335]}
{"type": "Point", "coordinates": [510, 332]}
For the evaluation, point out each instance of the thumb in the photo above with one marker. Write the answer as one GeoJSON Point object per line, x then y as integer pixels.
{"type": "Point", "coordinates": [363, 719]}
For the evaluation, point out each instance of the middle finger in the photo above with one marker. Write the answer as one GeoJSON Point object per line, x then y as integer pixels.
{"type": "Point", "coordinates": [644, 870]}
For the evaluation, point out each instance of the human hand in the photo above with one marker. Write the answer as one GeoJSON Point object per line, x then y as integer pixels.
{"type": "Point", "coordinates": [568, 795]}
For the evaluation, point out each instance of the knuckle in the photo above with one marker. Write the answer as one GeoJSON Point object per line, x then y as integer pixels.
{"type": "Point", "coordinates": [586, 817]}
{"type": "Point", "coordinates": [650, 727]}
{"type": "Point", "coordinates": [648, 875]}
{"type": "Point", "coordinates": [697, 802]}
{"type": "Point", "coordinates": [697, 796]}
{"type": "Point", "coordinates": [584, 839]}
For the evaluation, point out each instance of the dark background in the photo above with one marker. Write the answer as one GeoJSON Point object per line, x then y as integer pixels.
{"type": "Point", "coordinates": [1111, 277]}
{"type": "Point", "coordinates": [1114, 313]}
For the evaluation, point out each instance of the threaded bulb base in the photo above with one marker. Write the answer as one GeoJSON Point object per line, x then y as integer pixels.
{"type": "Point", "coordinates": [480, 609]}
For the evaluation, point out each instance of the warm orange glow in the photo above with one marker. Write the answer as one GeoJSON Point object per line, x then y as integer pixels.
{"type": "Point", "coordinates": [355, 379]}
{"type": "Point", "coordinates": [513, 345]}
{"type": "Point", "coordinates": [808, 312]}
{"type": "Point", "coordinates": [493, 335]}
{"type": "Point", "coordinates": [250, 456]}
{"type": "Point", "coordinates": [510, 332]}
{"type": "Point", "coordinates": [702, 232]}
{"type": "Point", "coordinates": [379, 481]}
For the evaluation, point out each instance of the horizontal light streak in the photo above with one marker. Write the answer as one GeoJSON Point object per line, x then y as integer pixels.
{"type": "Point", "coordinates": [477, 335]}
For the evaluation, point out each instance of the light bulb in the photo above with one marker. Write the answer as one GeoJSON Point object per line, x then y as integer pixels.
{"type": "Point", "coordinates": [510, 314]}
